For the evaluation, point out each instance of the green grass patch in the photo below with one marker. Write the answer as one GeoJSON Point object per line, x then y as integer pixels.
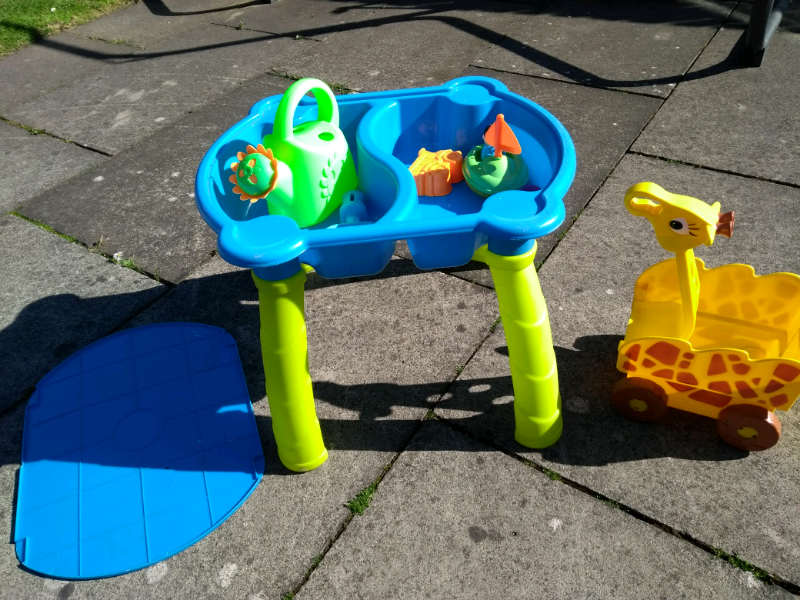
{"type": "Point", "coordinates": [551, 474]}
{"type": "Point", "coordinates": [494, 325]}
{"type": "Point", "coordinates": [69, 238]}
{"type": "Point", "coordinates": [742, 564]}
{"type": "Point", "coordinates": [23, 22]}
{"type": "Point", "coordinates": [361, 501]}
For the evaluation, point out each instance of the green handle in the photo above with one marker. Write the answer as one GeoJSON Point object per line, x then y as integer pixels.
{"type": "Point", "coordinates": [284, 118]}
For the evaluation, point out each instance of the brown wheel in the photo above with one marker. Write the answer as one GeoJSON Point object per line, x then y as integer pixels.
{"type": "Point", "coordinates": [748, 427]}
{"type": "Point", "coordinates": [639, 399]}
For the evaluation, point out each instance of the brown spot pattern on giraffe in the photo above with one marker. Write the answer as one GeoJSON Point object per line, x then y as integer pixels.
{"type": "Point", "coordinates": [786, 372]}
{"type": "Point", "coordinates": [628, 366]}
{"type": "Point", "coordinates": [648, 364]}
{"type": "Point", "coordinates": [717, 365]}
{"type": "Point", "coordinates": [720, 386]}
{"type": "Point", "coordinates": [633, 352]}
{"type": "Point", "coordinates": [712, 398]}
{"type": "Point", "coordinates": [773, 386]}
{"type": "Point", "coordinates": [745, 390]}
{"type": "Point", "coordinates": [665, 373]}
{"type": "Point", "coordinates": [780, 400]}
{"type": "Point", "coordinates": [664, 352]}
{"type": "Point", "coordinates": [680, 387]}
{"type": "Point", "coordinates": [741, 369]}
{"type": "Point", "coordinates": [687, 378]}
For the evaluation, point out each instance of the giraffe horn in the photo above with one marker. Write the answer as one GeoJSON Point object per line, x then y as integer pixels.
{"type": "Point", "coordinates": [725, 224]}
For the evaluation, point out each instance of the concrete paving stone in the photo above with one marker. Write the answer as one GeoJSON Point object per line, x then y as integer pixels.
{"type": "Point", "coordinates": [55, 298]}
{"type": "Point", "coordinates": [676, 470]}
{"type": "Point", "coordinates": [145, 24]}
{"type": "Point", "coordinates": [642, 47]}
{"type": "Point", "coordinates": [117, 106]}
{"type": "Point", "coordinates": [315, 19]}
{"type": "Point", "coordinates": [394, 44]}
{"type": "Point", "coordinates": [141, 202]}
{"type": "Point", "coordinates": [456, 519]}
{"type": "Point", "coordinates": [732, 118]}
{"type": "Point", "coordinates": [51, 63]}
{"type": "Point", "coordinates": [380, 350]}
{"type": "Point", "coordinates": [602, 123]}
{"type": "Point", "coordinates": [53, 161]}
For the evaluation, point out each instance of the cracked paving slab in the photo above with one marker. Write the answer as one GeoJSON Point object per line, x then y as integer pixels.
{"type": "Point", "coordinates": [642, 47]}
{"type": "Point", "coordinates": [675, 470]}
{"type": "Point", "coordinates": [736, 119]}
{"type": "Point", "coordinates": [456, 519]}
{"type": "Point", "coordinates": [56, 298]}
{"type": "Point", "coordinates": [140, 203]}
{"type": "Point", "coordinates": [51, 63]}
{"type": "Point", "coordinates": [316, 19]}
{"type": "Point", "coordinates": [393, 44]}
{"type": "Point", "coordinates": [114, 108]}
{"type": "Point", "coordinates": [59, 162]}
{"type": "Point", "coordinates": [381, 350]}
{"type": "Point", "coordinates": [145, 24]}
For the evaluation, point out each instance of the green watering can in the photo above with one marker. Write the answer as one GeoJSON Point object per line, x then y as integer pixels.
{"type": "Point", "coordinates": [302, 171]}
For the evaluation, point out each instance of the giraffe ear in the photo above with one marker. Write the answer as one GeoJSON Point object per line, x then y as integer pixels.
{"type": "Point", "coordinates": [644, 206]}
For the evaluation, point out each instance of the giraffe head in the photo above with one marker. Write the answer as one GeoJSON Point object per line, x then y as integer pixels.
{"type": "Point", "coordinates": [680, 222]}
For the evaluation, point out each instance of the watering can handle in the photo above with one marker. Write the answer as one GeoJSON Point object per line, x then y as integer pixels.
{"type": "Point", "coordinates": [328, 109]}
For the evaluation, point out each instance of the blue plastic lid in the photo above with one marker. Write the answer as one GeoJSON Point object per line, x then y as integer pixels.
{"type": "Point", "coordinates": [134, 448]}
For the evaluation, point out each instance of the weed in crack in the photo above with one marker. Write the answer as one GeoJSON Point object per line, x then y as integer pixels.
{"type": "Point", "coordinates": [361, 501]}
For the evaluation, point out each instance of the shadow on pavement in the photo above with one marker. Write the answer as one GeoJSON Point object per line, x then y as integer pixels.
{"type": "Point", "coordinates": [593, 433]}
{"type": "Point", "coordinates": [618, 10]}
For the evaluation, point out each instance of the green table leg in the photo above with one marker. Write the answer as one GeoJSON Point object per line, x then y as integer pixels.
{"type": "Point", "coordinates": [537, 403]}
{"type": "Point", "coordinates": [284, 349]}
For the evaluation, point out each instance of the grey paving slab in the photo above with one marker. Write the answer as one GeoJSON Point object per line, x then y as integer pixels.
{"type": "Point", "coordinates": [380, 349]}
{"type": "Point", "coordinates": [394, 45]}
{"type": "Point", "coordinates": [643, 47]}
{"type": "Point", "coordinates": [315, 19]}
{"type": "Point", "coordinates": [51, 63]}
{"type": "Point", "coordinates": [57, 160]}
{"type": "Point", "coordinates": [55, 298]}
{"type": "Point", "coordinates": [117, 106]}
{"type": "Point", "coordinates": [140, 203]}
{"type": "Point", "coordinates": [602, 123]}
{"type": "Point", "coordinates": [676, 470]}
{"type": "Point", "coordinates": [740, 120]}
{"type": "Point", "coordinates": [147, 23]}
{"type": "Point", "coordinates": [456, 519]}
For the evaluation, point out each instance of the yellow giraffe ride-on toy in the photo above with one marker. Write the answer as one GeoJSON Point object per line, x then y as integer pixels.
{"type": "Point", "coordinates": [723, 342]}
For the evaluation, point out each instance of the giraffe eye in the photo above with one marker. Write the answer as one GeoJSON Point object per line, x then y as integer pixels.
{"type": "Point", "coordinates": [679, 226]}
